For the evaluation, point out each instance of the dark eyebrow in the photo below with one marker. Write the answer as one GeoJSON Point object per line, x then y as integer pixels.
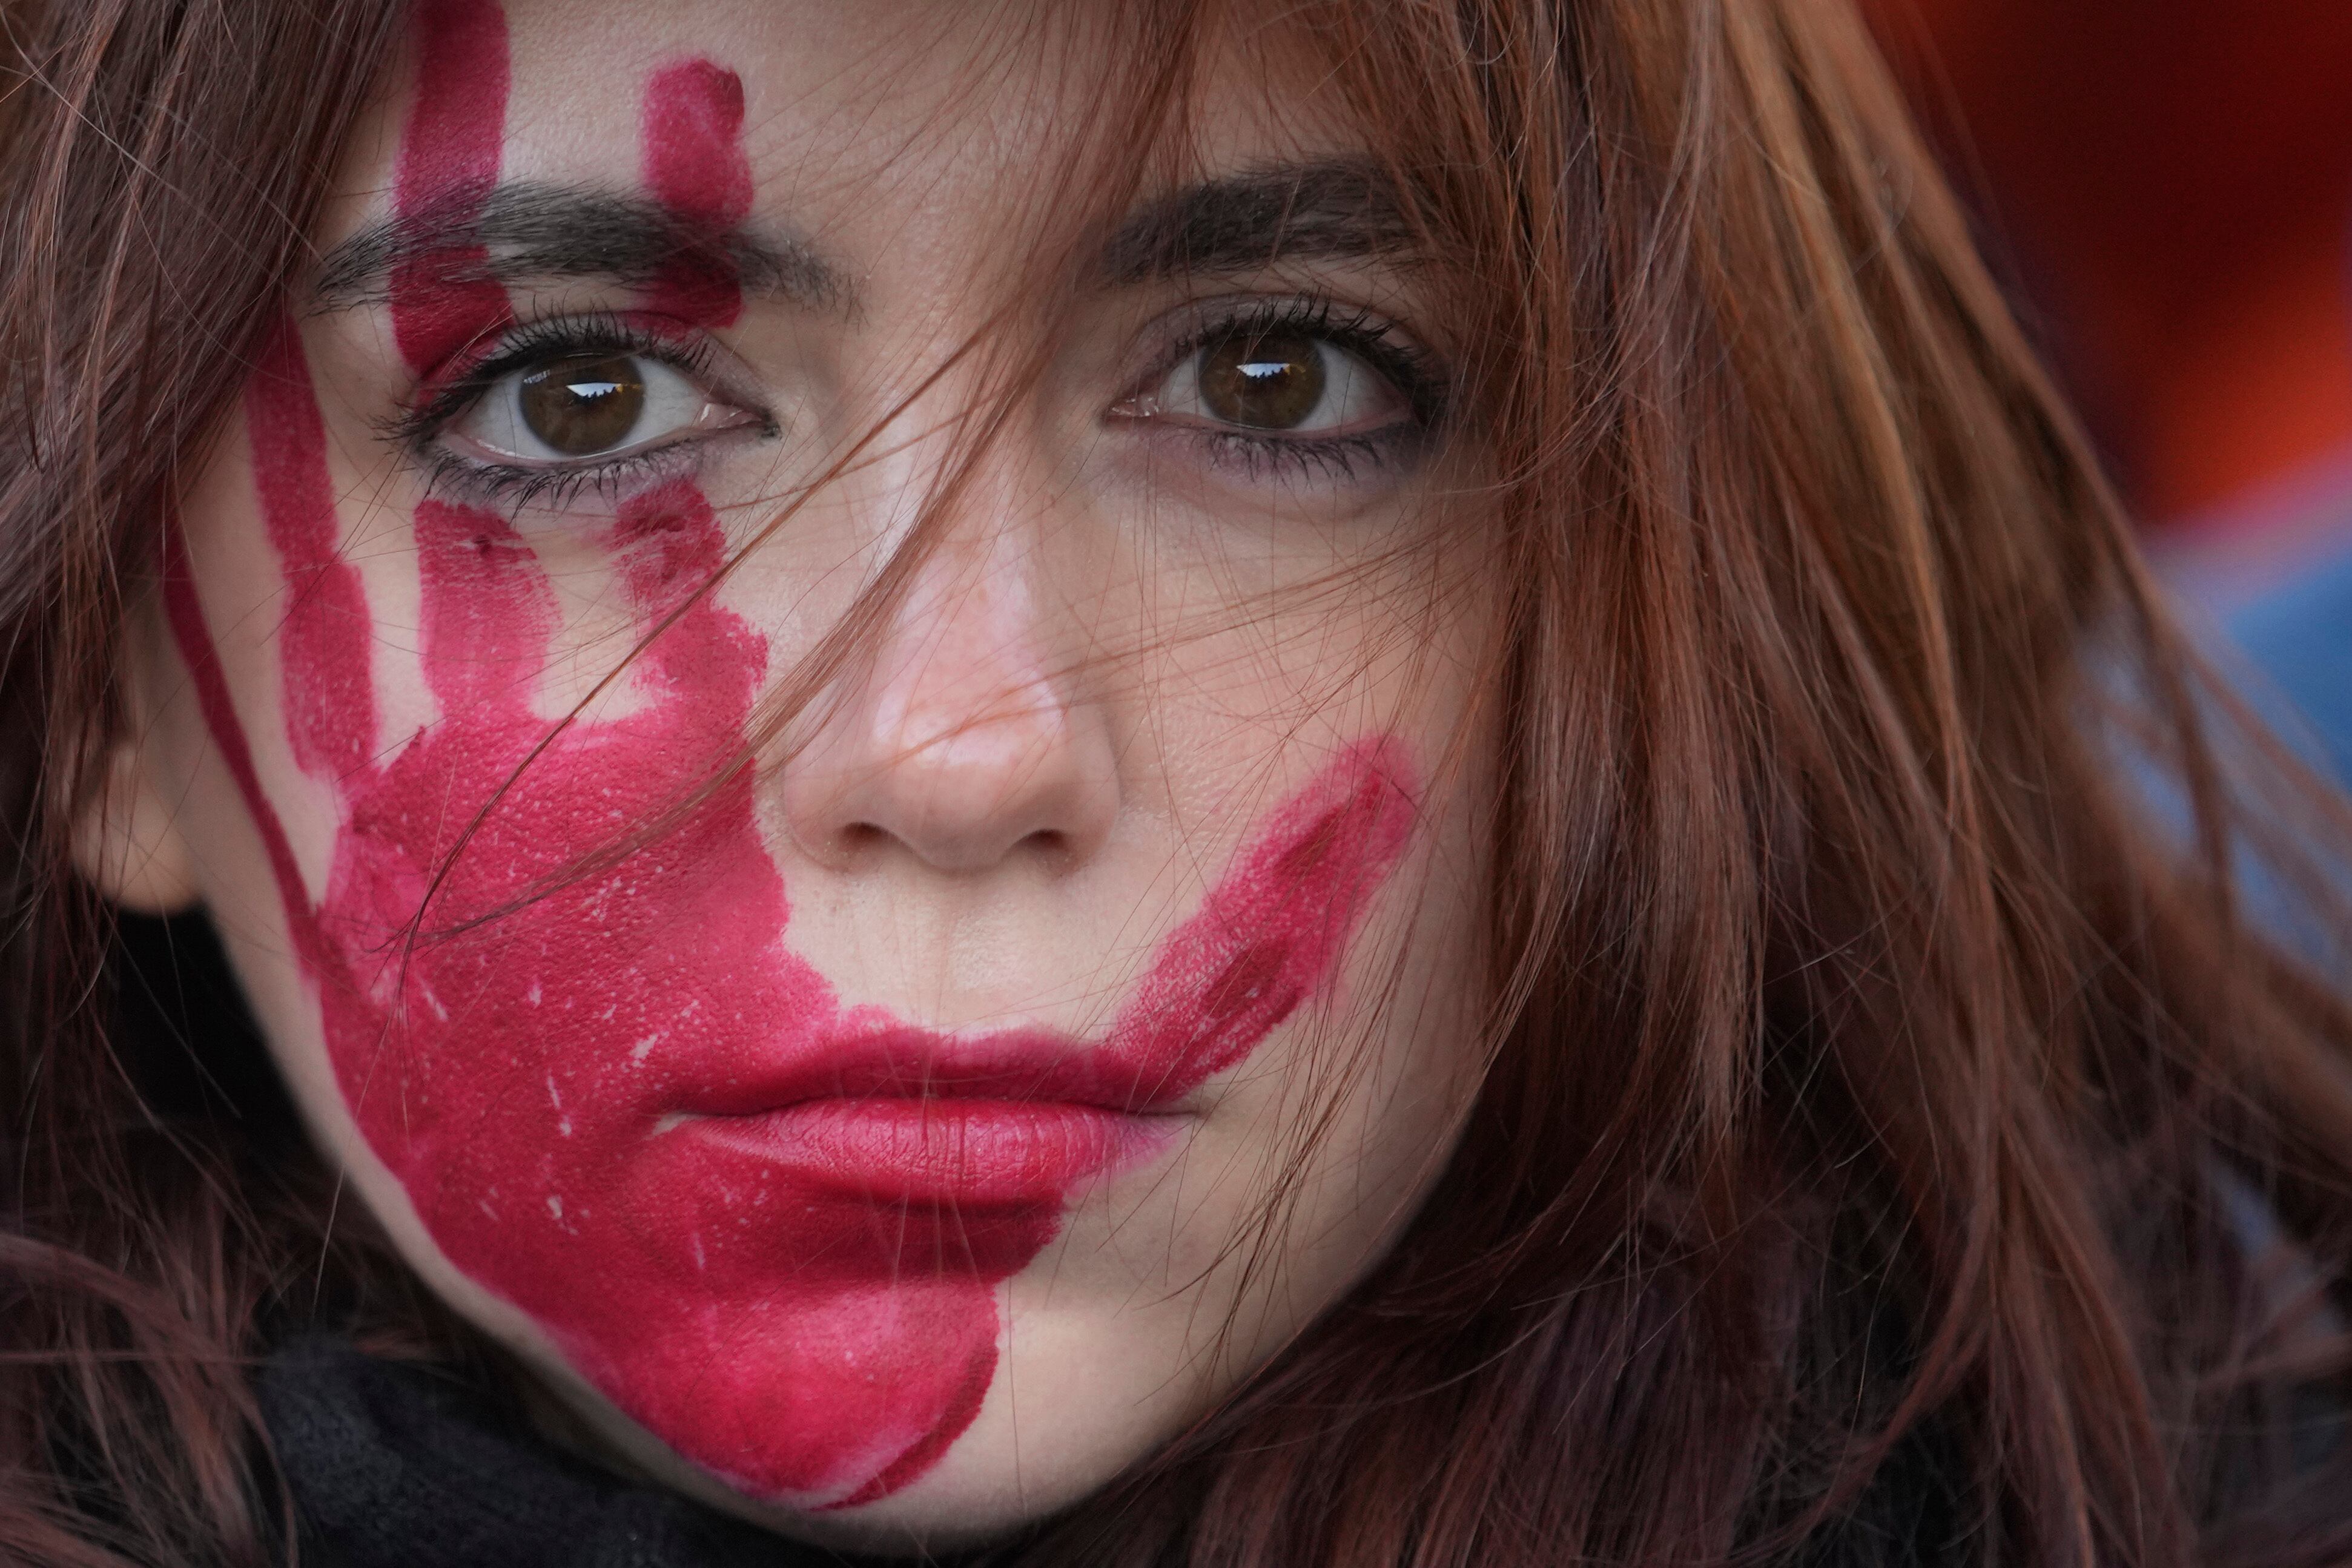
{"type": "Point", "coordinates": [1332, 210]}
{"type": "Point", "coordinates": [521, 232]}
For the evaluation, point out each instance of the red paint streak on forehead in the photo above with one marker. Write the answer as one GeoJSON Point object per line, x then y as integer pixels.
{"type": "Point", "coordinates": [456, 127]}
{"type": "Point", "coordinates": [695, 165]}
{"type": "Point", "coordinates": [450, 150]}
{"type": "Point", "coordinates": [693, 159]}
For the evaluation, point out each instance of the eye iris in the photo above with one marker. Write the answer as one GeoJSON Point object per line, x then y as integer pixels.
{"type": "Point", "coordinates": [583, 404]}
{"type": "Point", "coordinates": [1267, 383]}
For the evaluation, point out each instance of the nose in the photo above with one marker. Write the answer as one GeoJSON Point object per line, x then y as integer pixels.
{"type": "Point", "coordinates": [963, 739]}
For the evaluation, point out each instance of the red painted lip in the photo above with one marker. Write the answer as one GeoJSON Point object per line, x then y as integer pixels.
{"type": "Point", "coordinates": [906, 1114]}
{"type": "Point", "coordinates": [970, 1153]}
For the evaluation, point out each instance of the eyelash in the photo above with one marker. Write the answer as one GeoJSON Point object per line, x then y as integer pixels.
{"type": "Point", "coordinates": [1359, 332]}
{"type": "Point", "coordinates": [418, 429]}
{"type": "Point", "coordinates": [1412, 370]}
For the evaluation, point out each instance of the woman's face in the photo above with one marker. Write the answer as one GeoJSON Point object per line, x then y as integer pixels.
{"type": "Point", "coordinates": [894, 1139]}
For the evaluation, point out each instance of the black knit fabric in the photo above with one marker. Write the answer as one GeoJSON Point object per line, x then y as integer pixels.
{"type": "Point", "coordinates": [394, 1465]}
{"type": "Point", "coordinates": [397, 1466]}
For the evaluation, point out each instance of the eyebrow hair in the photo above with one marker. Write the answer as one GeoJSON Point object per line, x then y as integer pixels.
{"type": "Point", "coordinates": [1330, 210]}
{"type": "Point", "coordinates": [524, 231]}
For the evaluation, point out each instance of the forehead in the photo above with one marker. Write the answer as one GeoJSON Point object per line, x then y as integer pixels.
{"type": "Point", "coordinates": [893, 108]}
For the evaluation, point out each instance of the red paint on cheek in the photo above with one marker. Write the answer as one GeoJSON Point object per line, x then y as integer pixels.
{"type": "Point", "coordinates": [449, 156]}
{"type": "Point", "coordinates": [332, 728]}
{"type": "Point", "coordinates": [517, 1037]}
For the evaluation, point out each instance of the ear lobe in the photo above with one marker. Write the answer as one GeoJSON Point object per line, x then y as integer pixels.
{"type": "Point", "coordinates": [128, 842]}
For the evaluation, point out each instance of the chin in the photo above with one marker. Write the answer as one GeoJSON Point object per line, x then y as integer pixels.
{"type": "Point", "coordinates": [967, 1500]}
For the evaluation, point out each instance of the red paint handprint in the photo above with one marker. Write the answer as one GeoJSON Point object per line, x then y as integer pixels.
{"type": "Point", "coordinates": [770, 1229]}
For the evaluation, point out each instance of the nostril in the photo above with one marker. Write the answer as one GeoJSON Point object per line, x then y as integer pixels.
{"type": "Point", "coordinates": [856, 838]}
{"type": "Point", "coordinates": [1048, 844]}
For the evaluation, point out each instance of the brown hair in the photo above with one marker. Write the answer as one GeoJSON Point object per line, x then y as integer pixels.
{"type": "Point", "coordinates": [1881, 1158]}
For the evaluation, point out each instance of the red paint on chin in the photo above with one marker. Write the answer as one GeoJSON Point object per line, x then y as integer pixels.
{"type": "Point", "coordinates": [618, 1100]}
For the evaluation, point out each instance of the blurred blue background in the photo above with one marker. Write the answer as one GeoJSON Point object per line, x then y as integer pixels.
{"type": "Point", "coordinates": [2167, 185]}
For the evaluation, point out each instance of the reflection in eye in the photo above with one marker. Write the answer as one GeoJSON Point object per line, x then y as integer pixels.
{"type": "Point", "coordinates": [1273, 382]}
{"type": "Point", "coordinates": [585, 405]}
{"type": "Point", "coordinates": [1285, 378]}
{"type": "Point", "coordinates": [1282, 380]}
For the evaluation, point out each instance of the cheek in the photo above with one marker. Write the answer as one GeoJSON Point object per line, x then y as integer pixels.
{"type": "Point", "coordinates": [1364, 1096]}
{"type": "Point", "coordinates": [1364, 1093]}
{"type": "Point", "coordinates": [1341, 1124]}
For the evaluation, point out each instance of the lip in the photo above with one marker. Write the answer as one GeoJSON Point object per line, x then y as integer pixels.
{"type": "Point", "coordinates": [971, 1153]}
{"type": "Point", "coordinates": [908, 1116]}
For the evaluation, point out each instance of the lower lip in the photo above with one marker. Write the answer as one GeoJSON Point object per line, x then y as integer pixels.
{"type": "Point", "coordinates": [962, 1151]}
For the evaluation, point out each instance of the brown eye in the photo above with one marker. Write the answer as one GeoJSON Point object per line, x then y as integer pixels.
{"type": "Point", "coordinates": [583, 404]}
{"type": "Point", "coordinates": [1273, 382]}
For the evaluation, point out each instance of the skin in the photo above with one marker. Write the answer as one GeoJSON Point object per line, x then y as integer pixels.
{"type": "Point", "coordinates": [1170, 754]}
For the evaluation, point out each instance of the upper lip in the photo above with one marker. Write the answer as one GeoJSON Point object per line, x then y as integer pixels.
{"type": "Point", "coordinates": [907, 1062]}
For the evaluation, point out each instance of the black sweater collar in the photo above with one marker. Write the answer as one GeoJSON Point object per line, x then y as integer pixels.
{"type": "Point", "coordinates": [397, 1466]}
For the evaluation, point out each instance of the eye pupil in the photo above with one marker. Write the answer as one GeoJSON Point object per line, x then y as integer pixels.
{"type": "Point", "coordinates": [583, 404]}
{"type": "Point", "coordinates": [1271, 381]}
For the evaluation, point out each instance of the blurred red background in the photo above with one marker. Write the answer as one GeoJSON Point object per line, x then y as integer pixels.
{"type": "Point", "coordinates": [2169, 183]}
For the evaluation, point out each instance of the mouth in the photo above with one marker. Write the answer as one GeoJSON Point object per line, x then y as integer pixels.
{"type": "Point", "coordinates": [911, 1116]}
{"type": "Point", "coordinates": [880, 1111]}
